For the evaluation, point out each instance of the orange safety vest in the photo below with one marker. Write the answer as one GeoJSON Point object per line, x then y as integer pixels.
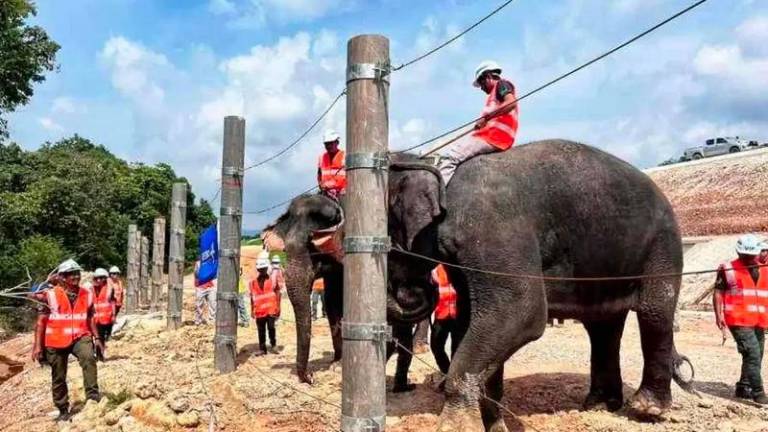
{"type": "Point", "coordinates": [117, 288]}
{"type": "Point", "coordinates": [332, 172]}
{"type": "Point", "coordinates": [67, 324]}
{"type": "Point", "coordinates": [318, 285]}
{"type": "Point", "coordinates": [104, 307]}
{"type": "Point", "coordinates": [745, 303]}
{"type": "Point", "coordinates": [446, 302]}
{"type": "Point", "coordinates": [501, 130]}
{"type": "Point", "coordinates": [263, 301]}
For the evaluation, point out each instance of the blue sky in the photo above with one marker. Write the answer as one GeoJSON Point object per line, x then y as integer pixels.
{"type": "Point", "coordinates": [152, 80]}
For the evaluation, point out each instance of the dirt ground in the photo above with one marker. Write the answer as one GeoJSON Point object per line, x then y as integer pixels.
{"type": "Point", "coordinates": [157, 380]}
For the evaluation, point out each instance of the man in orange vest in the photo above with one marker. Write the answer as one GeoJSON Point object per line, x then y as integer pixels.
{"type": "Point", "coordinates": [496, 129]}
{"type": "Point", "coordinates": [264, 307]}
{"type": "Point", "coordinates": [116, 285]}
{"type": "Point", "coordinates": [741, 304]}
{"type": "Point", "coordinates": [331, 175]}
{"type": "Point", "coordinates": [445, 319]}
{"type": "Point", "coordinates": [65, 326]}
{"type": "Point", "coordinates": [104, 306]}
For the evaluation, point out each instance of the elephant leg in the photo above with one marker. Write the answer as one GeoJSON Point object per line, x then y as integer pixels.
{"type": "Point", "coordinates": [404, 335]}
{"type": "Point", "coordinates": [605, 369]}
{"type": "Point", "coordinates": [493, 418]}
{"type": "Point", "coordinates": [655, 316]}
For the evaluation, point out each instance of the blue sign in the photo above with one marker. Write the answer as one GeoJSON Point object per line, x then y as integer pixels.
{"type": "Point", "coordinates": [209, 255]}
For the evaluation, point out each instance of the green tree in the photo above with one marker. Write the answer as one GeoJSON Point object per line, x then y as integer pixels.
{"type": "Point", "coordinates": [26, 53]}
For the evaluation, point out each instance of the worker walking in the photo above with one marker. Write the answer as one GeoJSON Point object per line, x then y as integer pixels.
{"type": "Point", "coordinates": [104, 306]}
{"type": "Point", "coordinates": [116, 284]}
{"type": "Point", "coordinates": [65, 326]}
{"type": "Point", "coordinates": [741, 304]}
{"type": "Point", "coordinates": [331, 175]}
{"type": "Point", "coordinates": [205, 298]}
{"type": "Point", "coordinates": [264, 305]}
{"type": "Point", "coordinates": [445, 319]}
{"type": "Point", "coordinates": [318, 295]}
{"type": "Point", "coordinates": [495, 131]}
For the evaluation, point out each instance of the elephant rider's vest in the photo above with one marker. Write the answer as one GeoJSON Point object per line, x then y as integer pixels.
{"type": "Point", "coordinates": [318, 285]}
{"type": "Point", "coordinates": [104, 307]}
{"type": "Point", "coordinates": [745, 303]}
{"type": "Point", "coordinates": [117, 287]}
{"type": "Point", "coordinates": [263, 299]}
{"type": "Point", "coordinates": [66, 322]}
{"type": "Point", "coordinates": [332, 173]}
{"type": "Point", "coordinates": [501, 130]}
{"type": "Point", "coordinates": [446, 301]}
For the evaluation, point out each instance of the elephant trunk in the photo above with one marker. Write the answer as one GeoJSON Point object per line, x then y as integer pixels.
{"type": "Point", "coordinates": [398, 313]}
{"type": "Point", "coordinates": [299, 287]}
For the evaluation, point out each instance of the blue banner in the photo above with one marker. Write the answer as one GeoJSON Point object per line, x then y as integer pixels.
{"type": "Point", "coordinates": [209, 255]}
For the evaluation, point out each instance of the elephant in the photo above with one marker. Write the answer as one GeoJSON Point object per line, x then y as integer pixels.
{"type": "Point", "coordinates": [506, 223]}
{"type": "Point", "coordinates": [293, 231]}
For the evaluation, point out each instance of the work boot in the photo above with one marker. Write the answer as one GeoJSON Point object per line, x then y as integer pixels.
{"type": "Point", "coordinates": [743, 392]}
{"type": "Point", "coordinates": [761, 399]}
{"type": "Point", "coordinates": [64, 415]}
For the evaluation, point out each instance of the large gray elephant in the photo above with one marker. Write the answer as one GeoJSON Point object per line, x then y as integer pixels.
{"type": "Point", "coordinates": [293, 232]}
{"type": "Point", "coordinates": [549, 208]}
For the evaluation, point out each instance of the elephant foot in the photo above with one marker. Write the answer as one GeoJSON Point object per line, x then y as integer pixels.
{"type": "Point", "coordinates": [403, 387]}
{"type": "Point", "coordinates": [420, 348]}
{"type": "Point", "coordinates": [498, 426]}
{"type": "Point", "coordinates": [460, 419]}
{"type": "Point", "coordinates": [599, 400]}
{"type": "Point", "coordinates": [645, 406]}
{"type": "Point", "coordinates": [305, 377]}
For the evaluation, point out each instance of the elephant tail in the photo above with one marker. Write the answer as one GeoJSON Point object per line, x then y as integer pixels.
{"type": "Point", "coordinates": [677, 372]}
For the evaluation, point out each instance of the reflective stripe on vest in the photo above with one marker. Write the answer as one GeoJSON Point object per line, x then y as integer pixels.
{"type": "Point", "coordinates": [332, 172]}
{"type": "Point", "coordinates": [104, 307]}
{"type": "Point", "coordinates": [745, 302]}
{"type": "Point", "coordinates": [67, 323]}
{"type": "Point", "coordinates": [501, 130]}
{"type": "Point", "coordinates": [446, 302]}
{"type": "Point", "coordinates": [263, 301]}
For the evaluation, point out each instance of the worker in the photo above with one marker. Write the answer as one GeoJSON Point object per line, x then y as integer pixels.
{"type": "Point", "coordinates": [318, 295]}
{"type": "Point", "coordinates": [117, 287]}
{"type": "Point", "coordinates": [242, 311]}
{"type": "Point", "coordinates": [278, 280]}
{"type": "Point", "coordinates": [331, 175]}
{"type": "Point", "coordinates": [496, 129]}
{"type": "Point", "coordinates": [445, 319]}
{"type": "Point", "coordinates": [65, 326]}
{"type": "Point", "coordinates": [104, 306]}
{"type": "Point", "coordinates": [205, 298]}
{"type": "Point", "coordinates": [264, 305]}
{"type": "Point", "coordinates": [762, 259]}
{"type": "Point", "coordinates": [741, 305]}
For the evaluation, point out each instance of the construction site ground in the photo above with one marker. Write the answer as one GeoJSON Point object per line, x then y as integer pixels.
{"type": "Point", "coordinates": [158, 380]}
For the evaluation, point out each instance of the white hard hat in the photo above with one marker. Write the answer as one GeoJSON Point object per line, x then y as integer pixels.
{"type": "Point", "coordinates": [764, 245]}
{"type": "Point", "coordinates": [262, 263]}
{"type": "Point", "coordinates": [748, 244]}
{"type": "Point", "coordinates": [100, 272]}
{"type": "Point", "coordinates": [276, 259]}
{"type": "Point", "coordinates": [330, 135]}
{"type": "Point", "coordinates": [485, 66]}
{"type": "Point", "coordinates": [68, 266]}
{"type": "Point", "coordinates": [114, 269]}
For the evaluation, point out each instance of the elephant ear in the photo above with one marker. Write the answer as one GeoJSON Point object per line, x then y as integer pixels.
{"type": "Point", "coordinates": [417, 198]}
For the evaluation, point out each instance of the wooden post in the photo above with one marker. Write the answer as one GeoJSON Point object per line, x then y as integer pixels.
{"type": "Point", "coordinates": [366, 244]}
{"type": "Point", "coordinates": [158, 257]}
{"type": "Point", "coordinates": [144, 274]}
{"type": "Point", "coordinates": [132, 270]}
{"type": "Point", "coordinates": [176, 255]}
{"type": "Point", "coordinates": [230, 225]}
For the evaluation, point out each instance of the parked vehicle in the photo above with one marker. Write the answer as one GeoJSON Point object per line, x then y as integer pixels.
{"type": "Point", "coordinates": [715, 147]}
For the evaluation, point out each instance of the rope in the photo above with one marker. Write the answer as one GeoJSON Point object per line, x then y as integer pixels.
{"type": "Point", "coordinates": [565, 278]}
{"type": "Point", "coordinates": [565, 75]}
{"type": "Point", "coordinates": [483, 395]}
{"type": "Point", "coordinates": [453, 39]}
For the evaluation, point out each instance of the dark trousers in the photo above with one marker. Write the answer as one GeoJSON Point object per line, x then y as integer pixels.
{"type": "Point", "coordinates": [441, 329]}
{"type": "Point", "coordinates": [105, 331]}
{"type": "Point", "coordinates": [750, 342]}
{"type": "Point", "coordinates": [263, 325]}
{"type": "Point", "coordinates": [58, 359]}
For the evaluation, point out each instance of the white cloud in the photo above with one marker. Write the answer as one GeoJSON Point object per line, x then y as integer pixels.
{"type": "Point", "coordinates": [134, 68]}
{"type": "Point", "coordinates": [221, 7]}
{"type": "Point", "coordinates": [63, 105]}
{"type": "Point", "coordinates": [50, 125]}
{"type": "Point", "coordinates": [255, 14]}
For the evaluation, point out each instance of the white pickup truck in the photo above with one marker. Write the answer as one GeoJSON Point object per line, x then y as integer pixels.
{"type": "Point", "coordinates": [716, 147]}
